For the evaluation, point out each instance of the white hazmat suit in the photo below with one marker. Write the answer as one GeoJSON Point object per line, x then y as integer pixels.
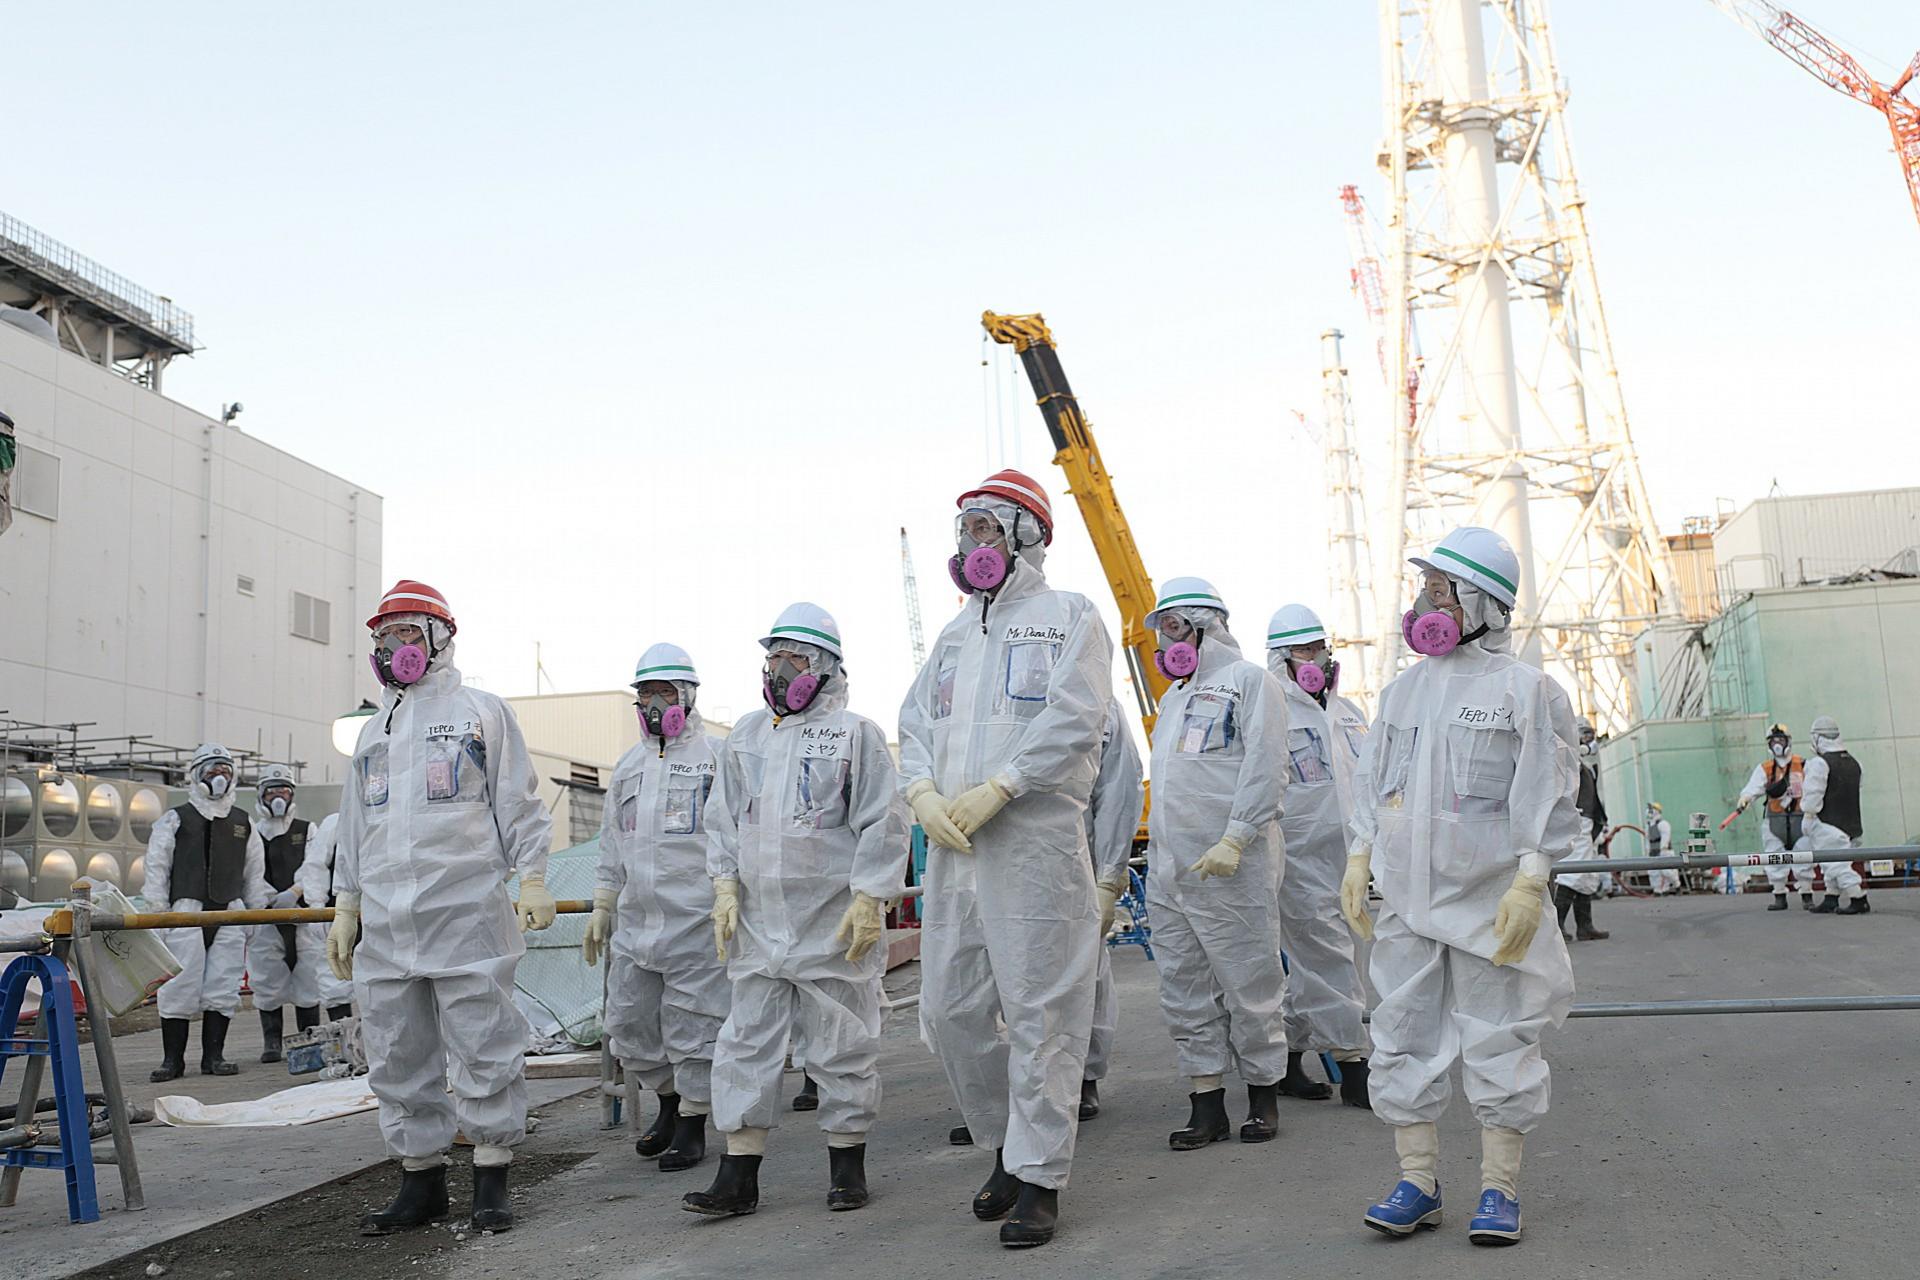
{"type": "Point", "coordinates": [1113, 820]}
{"type": "Point", "coordinates": [439, 809]}
{"type": "Point", "coordinates": [1843, 880]}
{"type": "Point", "coordinates": [1015, 691]}
{"type": "Point", "coordinates": [315, 881]}
{"type": "Point", "coordinates": [210, 971]}
{"type": "Point", "coordinates": [805, 812]}
{"type": "Point", "coordinates": [276, 979]}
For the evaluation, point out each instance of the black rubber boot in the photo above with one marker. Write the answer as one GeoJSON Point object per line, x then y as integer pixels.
{"type": "Point", "coordinates": [1779, 902]}
{"type": "Point", "coordinates": [1089, 1099]}
{"type": "Point", "coordinates": [1297, 1084]}
{"type": "Point", "coordinates": [808, 1099]}
{"type": "Point", "coordinates": [1829, 905]}
{"type": "Point", "coordinates": [689, 1145]}
{"type": "Point", "coordinates": [306, 1017]}
{"type": "Point", "coordinates": [1206, 1124]}
{"type": "Point", "coordinates": [213, 1046]}
{"type": "Point", "coordinates": [422, 1199]}
{"type": "Point", "coordinates": [273, 1025]}
{"type": "Point", "coordinates": [997, 1194]}
{"type": "Point", "coordinates": [339, 1012]}
{"type": "Point", "coordinates": [490, 1209]}
{"type": "Point", "coordinates": [847, 1177]}
{"type": "Point", "coordinates": [735, 1189]}
{"type": "Point", "coordinates": [659, 1134]}
{"type": "Point", "coordinates": [1583, 920]}
{"type": "Point", "coordinates": [1857, 907]}
{"type": "Point", "coordinates": [1033, 1219]}
{"type": "Point", "coordinates": [1263, 1113]}
{"type": "Point", "coordinates": [173, 1050]}
{"type": "Point", "coordinates": [959, 1136]}
{"type": "Point", "coordinates": [1353, 1084]}
{"type": "Point", "coordinates": [1806, 900]}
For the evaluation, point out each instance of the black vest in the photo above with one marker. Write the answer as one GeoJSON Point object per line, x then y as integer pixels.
{"type": "Point", "coordinates": [285, 853]}
{"type": "Point", "coordinates": [210, 858]}
{"type": "Point", "coordinates": [1842, 806]}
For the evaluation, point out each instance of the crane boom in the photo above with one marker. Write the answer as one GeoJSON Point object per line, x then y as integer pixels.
{"type": "Point", "coordinates": [1076, 454]}
{"type": "Point", "coordinates": [911, 585]}
{"type": "Point", "coordinates": [1839, 70]}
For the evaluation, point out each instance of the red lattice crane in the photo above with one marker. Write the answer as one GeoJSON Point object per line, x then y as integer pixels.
{"type": "Point", "coordinates": [1838, 69]}
{"type": "Point", "coordinates": [1369, 283]}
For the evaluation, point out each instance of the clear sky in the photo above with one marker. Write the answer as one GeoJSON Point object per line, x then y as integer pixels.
{"type": "Point", "coordinates": [647, 319]}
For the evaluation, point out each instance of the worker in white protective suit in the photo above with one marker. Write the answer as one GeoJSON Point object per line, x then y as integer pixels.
{"type": "Point", "coordinates": [281, 968]}
{"type": "Point", "coordinates": [204, 856]}
{"type": "Point", "coordinates": [1781, 778]}
{"type": "Point", "coordinates": [1659, 834]}
{"type": "Point", "coordinates": [1215, 860]}
{"type": "Point", "coordinates": [999, 752]}
{"type": "Point", "coordinates": [1576, 892]}
{"type": "Point", "coordinates": [1113, 823]}
{"type": "Point", "coordinates": [667, 993]}
{"type": "Point", "coordinates": [1831, 803]}
{"type": "Point", "coordinates": [806, 844]}
{"type": "Point", "coordinates": [315, 880]}
{"type": "Point", "coordinates": [438, 811]}
{"type": "Point", "coordinates": [1463, 801]}
{"type": "Point", "coordinates": [1325, 1001]}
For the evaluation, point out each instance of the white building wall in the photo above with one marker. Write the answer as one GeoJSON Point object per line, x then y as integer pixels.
{"type": "Point", "coordinates": [162, 509]}
{"type": "Point", "coordinates": [1778, 542]}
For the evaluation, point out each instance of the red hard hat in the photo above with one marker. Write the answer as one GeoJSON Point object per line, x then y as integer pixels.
{"type": "Point", "coordinates": [408, 596]}
{"type": "Point", "coordinates": [1020, 489]}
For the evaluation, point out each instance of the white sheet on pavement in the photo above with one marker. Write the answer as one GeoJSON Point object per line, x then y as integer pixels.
{"type": "Point", "coordinates": [303, 1104]}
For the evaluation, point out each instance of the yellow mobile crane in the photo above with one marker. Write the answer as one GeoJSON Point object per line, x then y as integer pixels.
{"type": "Point", "coordinates": [1087, 480]}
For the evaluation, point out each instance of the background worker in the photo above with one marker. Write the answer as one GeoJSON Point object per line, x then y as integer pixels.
{"type": "Point", "coordinates": [1660, 845]}
{"type": "Point", "coordinates": [1781, 778]}
{"type": "Point", "coordinates": [1831, 804]}
{"type": "Point", "coordinates": [283, 964]}
{"type": "Point", "coordinates": [1577, 892]}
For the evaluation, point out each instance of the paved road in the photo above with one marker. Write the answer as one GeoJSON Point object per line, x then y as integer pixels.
{"type": "Point", "coordinates": [1749, 1147]}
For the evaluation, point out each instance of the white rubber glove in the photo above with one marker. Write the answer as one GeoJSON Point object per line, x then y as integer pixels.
{"type": "Point", "coordinates": [599, 926]}
{"type": "Point", "coordinates": [1221, 860]}
{"type": "Point", "coordinates": [289, 897]}
{"type": "Point", "coordinates": [930, 811]}
{"type": "Point", "coordinates": [343, 934]}
{"type": "Point", "coordinates": [536, 905]}
{"type": "Point", "coordinates": [1109, 903]}
{"type": "Point", "coordinates": [973, 809]}
{"type": "Point", "coordinates": [863, 925]}
{"type": "Point", "coordinates": [1353, 890]}
{"type": "Point", "coordinates": [1518, 917]}
{"type": "Point", "coordinates": [726, 913]}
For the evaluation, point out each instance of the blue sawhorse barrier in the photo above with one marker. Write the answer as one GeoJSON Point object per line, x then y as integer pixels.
{"type": "Point", "coordinates": [1132, 908]}
{"type": "Point", "coordinates": [74, 1155]}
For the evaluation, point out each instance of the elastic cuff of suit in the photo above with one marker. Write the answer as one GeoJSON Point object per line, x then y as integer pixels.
{"type": "Point", "coordinates": [488, 1156]}
{"type": "Point", "coordinates": [414, 1164]}
{"type": "Point", "coordinates": [847, 1139]}
{"type": "Point", "coordinates": [690, 1108]}
{"type": "Point", "coordinates": [747, 1142]}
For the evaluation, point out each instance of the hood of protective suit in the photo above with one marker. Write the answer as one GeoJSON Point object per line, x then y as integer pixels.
{"type": "Point", "coordinates": [1825, 743]}
{"type": "Point", "coordinates": [1218, 649]}
{"type": "Point", "coordinates": [1482, 610]}
{"type": "Point", "coordinates": [202, 800]}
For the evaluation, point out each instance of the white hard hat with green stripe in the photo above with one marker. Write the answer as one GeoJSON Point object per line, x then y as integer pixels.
{"type": "Point", "coordinates": [1192, 593]}
{"type": "Point", "coordinates": [665, 662]}
{"type": "Point", "coordinates": [1477, 556]}
{"type": "Point", "coordinates": [1294, 624]}
{"type": "Point", "coordinates": [808, 623]}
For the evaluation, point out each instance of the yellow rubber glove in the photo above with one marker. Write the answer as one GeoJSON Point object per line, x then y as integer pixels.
{"type": "Point", "coordinates": [973, 809]}
{"type": "Point", "coordinates": [1221, 860]}
{"type": "Point", "coordinates": [930, 811]}
{"type": "Point", "coordinates": [599, 926]}
{"type": "Point", "coordinates": [1353, 890]}
{"type": "Point", "coordinates": [726, 913]}
{"type": "Point", "coordinates": [863, 925]}
{"type": "Point", "coordinates": [1518, 917]}
{"type": "Point", "coordinates": [1109, 902]}
{"type": "Point", "coordinates": [536, 905]}
{"type": "Point", "coordinates": [343, 934]}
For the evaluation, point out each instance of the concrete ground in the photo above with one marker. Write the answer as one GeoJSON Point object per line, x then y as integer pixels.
{"type": "Point", "coordinates": [1752, 1147]}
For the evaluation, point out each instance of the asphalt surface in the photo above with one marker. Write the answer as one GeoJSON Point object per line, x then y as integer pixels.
{"type": "Point", "coordinates": [1750, 1146]}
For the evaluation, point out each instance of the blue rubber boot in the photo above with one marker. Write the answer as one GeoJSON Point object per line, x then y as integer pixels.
{"type": "Point", "coordinates": [1497, 1221]}
{"type": "Point", "coordinates": [1406, 1209]}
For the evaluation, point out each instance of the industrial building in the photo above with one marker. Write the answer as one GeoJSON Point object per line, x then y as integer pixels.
{"type": "Point", "coordinates": [1817, 599]}
{"type": "Point", "coordinates": [167, 578]}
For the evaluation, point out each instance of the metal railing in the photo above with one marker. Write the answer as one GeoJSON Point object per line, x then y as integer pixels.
{"type": "Point", "coordinates": [89, 279]}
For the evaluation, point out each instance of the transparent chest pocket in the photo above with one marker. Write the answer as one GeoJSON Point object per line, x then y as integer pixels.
{"type": "Point", "coordinates": [371, 773]}
{"type": "Point", "coordinates": [1025, 678]}
{"type": "Point", "coordinates": [1207, 725]}
{"type": "Point", "coordinates": [753, 770]}
{"type": "Point", "coordinates": [627, 815]}
{"type": "Point", "coordinates": [1481, 764]}
{"type": "Point", "coordinates": [820, 794]}
{"type": "Point", "coordinates": [1393, 762]}
{"type": "Point", "coordinates": [949, 660]}
{"type": "Point", "coordinates": [456, 770]}
{"type": "Point", "coordinates": [686, 802]}
{"type": "Point", "coordinates": [1354, 735]}
{"type": "Point", "coordinates": [1307, 753]}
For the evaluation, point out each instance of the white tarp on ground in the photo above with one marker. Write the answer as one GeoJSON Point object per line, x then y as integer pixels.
{"type": "Point", "coordinates": [303, 1104]}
